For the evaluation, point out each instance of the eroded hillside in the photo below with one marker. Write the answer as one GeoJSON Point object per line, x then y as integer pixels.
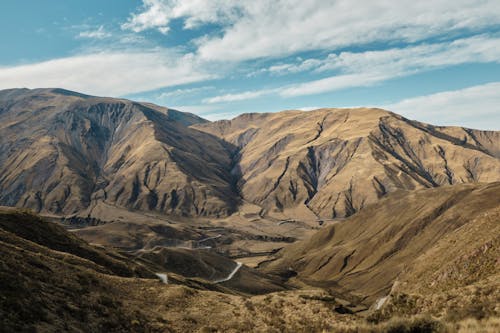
{"type": "Point", "coordinates": [66, 153]}
{"type": "Point", "coordinates": [63, 152]}
{"type": "Point", "coordinates": [427, 251]}
{"type": "Point", "coordinates": [333, 162]}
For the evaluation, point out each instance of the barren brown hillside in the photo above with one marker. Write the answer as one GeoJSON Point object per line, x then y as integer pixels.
{"type": "Point", "coordinates": [63, 152]}
{"type": "Point", "coordinates": [429, 242]}
{"type": "Point", "coordinates": [334, 162]}
{"type": "Point", "coordinates": [51, 280]}
{"type": "Point", "coordinates": [66, 153]}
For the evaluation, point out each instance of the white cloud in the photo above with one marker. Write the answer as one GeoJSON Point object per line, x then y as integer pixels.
{"type": "Point", "coordinates": [157, 14]}
{"type": "Point", "coordinates": [308, 88]}
{"type": "Point", "coordinates": [99, 33]}
{"type": "Point", "coordinates": [478, 49]}
{"type": "Point", "coordinates": [290, 68]}
{"type": "Point", "coordinates": [107, 73]}
{"type": "Point", "coordinates": [262, 28]}
{"type": "Point", "coordinates": [475, 107]}
{"type": "Point", "coordinates": [239, 96]}
{"type": "Point", "coordinates": [308, 108]}
{"type": "Point", "coordinates": [333, 83]}
{"type": "Point", "coordinates": [371, 67]}
{"type": "Point", "coordinates": [184, 92]}
{"type": "Point", "coordinates": [210, 112]}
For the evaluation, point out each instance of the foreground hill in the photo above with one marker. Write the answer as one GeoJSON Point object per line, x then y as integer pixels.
{"type": "Point", "coordinates": [62, 152]}
{"type": "Point", "coordinates": [52, 281]}
{"type": "Point", "coordinates": [333, 162]}
{"type": "Point", "coordinates": [429, 251]}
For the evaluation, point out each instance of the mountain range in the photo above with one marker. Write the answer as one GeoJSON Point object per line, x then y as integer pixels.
{"type": "Point", "coordinates": [64, 153]}
{"type": "Point", "coordinates": [118, 215]}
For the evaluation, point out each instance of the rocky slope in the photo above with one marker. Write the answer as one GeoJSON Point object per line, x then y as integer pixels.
{"type": "Point", "coordinates": [52, 281]}
{"type": "Point", "coordinates": [431, 241]}
{"type": "Point", "coordinates": [63, 152]}
{"type": "Point", "coordinates": [334, 162]}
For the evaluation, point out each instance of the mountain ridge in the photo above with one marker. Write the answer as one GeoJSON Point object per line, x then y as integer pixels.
{"type": "Point", "coordinates": [63, 153]}
{"type": "Point", "coordinates": [89, 149]}
{"type": "Point", "coordinates": [321, 158]}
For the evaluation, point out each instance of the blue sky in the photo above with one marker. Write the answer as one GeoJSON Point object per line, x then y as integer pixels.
{"type": "Point", "coordinates": [435, 61]}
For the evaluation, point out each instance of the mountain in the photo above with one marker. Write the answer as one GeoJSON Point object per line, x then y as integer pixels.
{"type": "Point", "coordinates": [66, 153]}
{"type": "Point", "coordinates": [348, 220]}
{"type": "Point", "coordinates": [63, 153]}
{"type": "Point", "coordinates": [333, 162]}
{"type": "Point", "coordinates": [51, 280]}
{"type": "Point", "coordinates": [431, 251]}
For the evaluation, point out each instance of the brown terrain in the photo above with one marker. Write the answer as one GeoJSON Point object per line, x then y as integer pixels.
{"type": "Point", "coordinates": [333, 162]}
{"type": "Point", "coordinates": [342, 220]}
{"type": "Point", "coordinates": [419, 241]}
{"type": "Point", "coordinates": [63, 152]}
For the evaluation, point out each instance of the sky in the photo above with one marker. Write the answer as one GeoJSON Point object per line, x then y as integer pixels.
{"type": "Point", "coordinates": [436, 61]}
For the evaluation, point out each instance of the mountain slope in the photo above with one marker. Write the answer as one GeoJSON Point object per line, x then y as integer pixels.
{"type": "Point", "coordinates": [63, 152]}
{"type": "Point", "coordinates": [334, 162]}
{"type": "Point", "coordinates": [44, 288]}
{"type": "Point", "coordinates": [50, 280]}
{"type": "Point", "coordinates": [420, 238]}
{"type": "Point", "coordinates": [66, 153]}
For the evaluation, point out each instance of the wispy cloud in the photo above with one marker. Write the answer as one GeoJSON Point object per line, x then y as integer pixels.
{"type": "Point", "coordinates": [210, 112]}
{"type": "Point", "coordinates": [477, 106]}
{"type": "Point", "coordinates": [157, 14]}
{"type": "Point", "coordinates": [99, 33]}
{"type": "Point", "coordinates": [183, 92]}
{"type": "Point", "coordinates": [239, 96]}
{"type": "Point", "coordinates": [262, 28]}
{"type": "Point", "coordinates": [333, 83]}
{"type": "Point", "coordinates": [308, 108]}
{"type": "Point", "coordinates": [108, 73]}
{"type": "Point", "coordinates": [478, 49]}
{"type": "Point", "coordinates": [368, 68]}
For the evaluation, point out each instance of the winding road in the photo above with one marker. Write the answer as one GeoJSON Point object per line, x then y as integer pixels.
{"type": "Point", "coordinates": [231, 275]}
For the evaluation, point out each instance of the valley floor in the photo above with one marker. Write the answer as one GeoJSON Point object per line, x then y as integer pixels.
{"type": "Point", "coordinates": [447, 241]}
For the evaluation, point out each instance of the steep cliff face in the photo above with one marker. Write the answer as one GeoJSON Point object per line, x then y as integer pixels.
{"type": "Point", "coordinates": [334, 162]}
{"type": "Point", "coordinates": [62, 152]}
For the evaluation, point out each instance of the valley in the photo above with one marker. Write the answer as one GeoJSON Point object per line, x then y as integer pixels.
{"type": "Point", "coordinates": [135, 217]}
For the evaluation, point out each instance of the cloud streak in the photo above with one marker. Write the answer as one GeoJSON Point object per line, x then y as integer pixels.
{"type": "Point", "coordinates": [98, 33]}
{"type": "Point", "coordinates": [477, 106]}
{"type": "Point", "coordinates": [368, 68]}
{"type": "Point", "coordinates": [239, 96]}
{"type": "Point", "coordinates": [107, 73]}
{"type": "Point", "coordinates": [184, 92]}
{"type": "Point", "coordinates": [260, 28]}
